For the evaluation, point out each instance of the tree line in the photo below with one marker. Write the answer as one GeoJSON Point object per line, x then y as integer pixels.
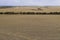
{"type": "Point", "coordinates": [32, 13]}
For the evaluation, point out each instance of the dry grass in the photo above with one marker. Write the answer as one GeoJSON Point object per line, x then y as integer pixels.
{"type": "Point", "coordinates": [29, 27]}
{"type": "Point", "coordinates": [31, 9]}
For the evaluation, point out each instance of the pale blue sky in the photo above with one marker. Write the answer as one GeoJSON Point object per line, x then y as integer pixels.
{"type": "Point", "coordinates": [29, 2]}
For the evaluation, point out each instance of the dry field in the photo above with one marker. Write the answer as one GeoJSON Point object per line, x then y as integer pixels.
{"type": "Point", "coordinates": [29, 27]}
{"type": "Point", "coordinates": [32, 9]}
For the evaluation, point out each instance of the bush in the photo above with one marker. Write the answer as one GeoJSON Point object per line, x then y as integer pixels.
{"type": "Point", "coordinates": [9, 13]}
{"type": "Point", "coordinates": [1, 13]}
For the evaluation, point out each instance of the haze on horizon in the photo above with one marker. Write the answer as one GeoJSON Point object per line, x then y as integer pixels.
{"type": "Point", "coordinates": [29, 2]}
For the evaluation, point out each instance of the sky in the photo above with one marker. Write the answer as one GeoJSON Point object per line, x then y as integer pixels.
{"type": "Point", "coordinates": [29, 2]}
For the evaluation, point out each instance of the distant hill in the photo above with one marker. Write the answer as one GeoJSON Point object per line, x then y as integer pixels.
{"type": "Point", "coordinates": [29, 8]}
{"type": "Point", "coordinates": [6, 7]}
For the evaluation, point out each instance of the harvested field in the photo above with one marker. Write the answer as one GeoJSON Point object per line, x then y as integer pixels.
{"type": "Point", "coordinates": [29, 27]}
{"type": "Point", "coordinates": [31, 9]}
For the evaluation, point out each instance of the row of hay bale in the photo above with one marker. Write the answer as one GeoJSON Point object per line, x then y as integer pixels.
{"type": "Point", "coordinates": [31, 13]}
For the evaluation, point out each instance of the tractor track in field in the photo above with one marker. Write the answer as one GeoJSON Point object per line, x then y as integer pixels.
{"type": "Point", "coordinates": [12, 36]}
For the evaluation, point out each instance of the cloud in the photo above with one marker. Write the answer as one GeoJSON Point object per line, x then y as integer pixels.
{"type": "Point", "coordinates": [40, 2]}
{"type": "Point", "coordinates": [30, 2]}
{"type": "Point", "coordinates": [9, 2]}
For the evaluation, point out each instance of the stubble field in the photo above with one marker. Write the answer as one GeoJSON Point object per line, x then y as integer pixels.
{"type": "Point", "coordinates": [29, 27]}
{"type": "Point", "coordinates": [31, 9]}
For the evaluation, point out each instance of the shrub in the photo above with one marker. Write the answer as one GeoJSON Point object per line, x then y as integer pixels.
{"type": "Point", "coordinates": [1, 13]}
